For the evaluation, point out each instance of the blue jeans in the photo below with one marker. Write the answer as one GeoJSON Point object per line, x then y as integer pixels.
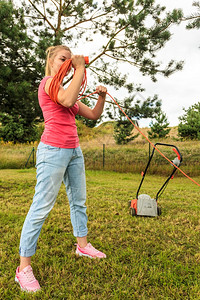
{"type": "Point", "coordinates": [55, 165]}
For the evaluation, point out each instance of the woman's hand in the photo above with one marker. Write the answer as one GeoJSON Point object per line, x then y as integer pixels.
{"type": "Point", "coordinates": [101, 90]}
{"type": "Point", "coordinates": [95, 113]}
{"type": "Point", "coordinates": [78, 61]}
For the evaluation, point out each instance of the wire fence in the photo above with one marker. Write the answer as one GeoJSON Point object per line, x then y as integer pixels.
{"type": "Point", "coordinates": [129, 159]}
{"type": "Point", "coordinates": [104, 158]}
{"type": "Point", "coordinates": [31, 159]}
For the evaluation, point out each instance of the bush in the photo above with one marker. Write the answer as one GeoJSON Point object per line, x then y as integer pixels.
{"type": "Point", "coordinates": [15, 129]}
{"type": "Point", "coordinates": [123, 132]}
{"type": "Point", "coordinates": [189, 126]}
{"type": "Point", "coordinates": [159, 128]}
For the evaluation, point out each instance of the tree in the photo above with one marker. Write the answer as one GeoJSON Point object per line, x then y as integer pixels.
{"type": "Point", "coordinates": [19, 77]}
{"type": "Point", "coordinates": [135, 111]}
{"type": "Point", "coordinates": [14, 129]}
{"type": "Point", "coordinates": [123, 132]}
{"type": "Point", "coordinates": [190, 122]}
{"type": "Point", "coordinates": [194, 19]}
{"type": "Point", "coordinates": [189, 126]}
{"type": "Point", "coordinates": [132, 31]}
{"type": "Point", "coordinates": [159, 128]}
{"type": "Point", "coordinates": [123, 23]}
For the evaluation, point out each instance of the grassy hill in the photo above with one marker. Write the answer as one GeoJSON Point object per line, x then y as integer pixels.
{"type": "Point", "coordinates": [104, 134]}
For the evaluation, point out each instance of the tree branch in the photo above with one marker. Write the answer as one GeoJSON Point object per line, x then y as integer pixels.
{"type": "Point", "coordinates": [59, 17]}
{"type": "Point", "coordinates": [113, 37]}
{"type": "Point", "coordinates": [190, 18]}
{"type": "Point", "coordinates": [55, 3]}
{"type": "Point", "coordinates": [44, 17]}
{"type": "Point", "coordinates": [84, 21]}
{"type": "Point", "coordinates": [105, 48]}
{"type": "Point", "coordinates": [65, 6]}
{"type": "Point", "coordinates": [44, 8]}
{"type": "Point", "coordinates": [121, 59]}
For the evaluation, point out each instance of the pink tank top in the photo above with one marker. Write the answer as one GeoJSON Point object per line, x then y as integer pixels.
{"type": "Point", "coordinates": [60, 126]}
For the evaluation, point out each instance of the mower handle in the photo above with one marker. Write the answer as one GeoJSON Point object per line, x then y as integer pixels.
{"type": "Point", "coordinates": [177, 153]}
{"type": "Point", "coordinates": [175, 149]}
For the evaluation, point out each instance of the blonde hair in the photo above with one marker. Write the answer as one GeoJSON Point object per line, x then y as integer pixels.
{"type": "Point", "coordinates": [51, 53]}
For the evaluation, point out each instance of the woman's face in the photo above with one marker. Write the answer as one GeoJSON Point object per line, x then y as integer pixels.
{"type": "Point", "coordinates": [60, 57]}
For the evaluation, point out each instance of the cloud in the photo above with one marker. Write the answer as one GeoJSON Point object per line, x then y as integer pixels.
{"type": "Point", "coordinates": [181, 89]}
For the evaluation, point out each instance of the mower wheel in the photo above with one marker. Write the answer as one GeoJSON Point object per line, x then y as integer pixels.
{"type": "Point", "coordinates": [158, 211]}
{"type": "Point", "coordinates": [132, 212]}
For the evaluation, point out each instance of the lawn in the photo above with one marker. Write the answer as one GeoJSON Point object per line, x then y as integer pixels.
{"type": "Point", "coordinates": [147, 258]}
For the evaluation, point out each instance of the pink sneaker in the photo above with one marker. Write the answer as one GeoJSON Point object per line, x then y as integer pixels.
{"type": "Point", "coordinates": [89, 251]}
{"type": "Point", "coordinates": [27, 280]}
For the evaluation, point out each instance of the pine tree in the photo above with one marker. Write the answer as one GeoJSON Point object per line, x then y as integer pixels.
{"type": "Point", "coordinates": [132, 32]}
{"type": "Point", "coordinates": [135, 111]}
{"type": "Point", "coordinates": [19, 78]}
{"type": "Point", "coordinates": [189, 126]}
{"type": "Point", "coordinates": [159, 128]}
{"type": "Point", "coordinates": [194, 19]}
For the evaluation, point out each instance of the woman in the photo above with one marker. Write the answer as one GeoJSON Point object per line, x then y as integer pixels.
{"type": "Point", "coordinates": [59, 158]}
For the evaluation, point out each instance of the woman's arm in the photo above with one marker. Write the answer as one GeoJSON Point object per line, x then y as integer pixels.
{"type": "Point", "coordinates": [95, 113]}
{"type": "Point", "coordinates": [67, 97]}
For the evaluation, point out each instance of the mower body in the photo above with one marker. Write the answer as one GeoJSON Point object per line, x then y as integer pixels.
{"type": "Point", "coordinates": [144, 205]}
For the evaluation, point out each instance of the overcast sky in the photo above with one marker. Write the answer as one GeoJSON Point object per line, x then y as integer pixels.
{"type": "Point", "coordinates": [182, 89]}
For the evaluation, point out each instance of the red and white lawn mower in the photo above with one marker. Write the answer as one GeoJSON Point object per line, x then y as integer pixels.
{"type": "Point", "coordinates": [144, 205]}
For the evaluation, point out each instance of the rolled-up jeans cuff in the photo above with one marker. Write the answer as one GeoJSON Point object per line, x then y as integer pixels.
{"type": "Point", "coordinates": [27, 252]}
{"type": "Point", "coordinates": [80, 234]}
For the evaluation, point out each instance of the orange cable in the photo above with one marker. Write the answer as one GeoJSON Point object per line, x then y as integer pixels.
{"type": "Point", "coordinates": [147, 138]}
{"type": "Point", "coordinates": [53, 93]}
{"type": "Point", "coordinates": [58, 79]}
{"type": "Point", "coordinates": [152, 143]}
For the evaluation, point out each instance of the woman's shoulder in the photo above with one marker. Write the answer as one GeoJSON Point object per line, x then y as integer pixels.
{"type": "Point", "coordinates": [43, 82]}
{"type": "Point", "coordinates": [44, 79]}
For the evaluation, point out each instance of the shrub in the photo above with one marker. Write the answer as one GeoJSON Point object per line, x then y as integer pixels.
{"type": "Point", "coordinates": [189, 126]}
{"type": "Point", "coordinates": [123, 132]}
{"type": "Point", "coordinates": [159, 128]}
{"type": "Point", "coordinates": [15, 129]}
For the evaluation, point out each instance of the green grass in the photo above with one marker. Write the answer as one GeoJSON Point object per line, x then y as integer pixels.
{"type": "Point", "coordinates": [16, 156]}
{"type": "Point", "coordinates": [147, 258]}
